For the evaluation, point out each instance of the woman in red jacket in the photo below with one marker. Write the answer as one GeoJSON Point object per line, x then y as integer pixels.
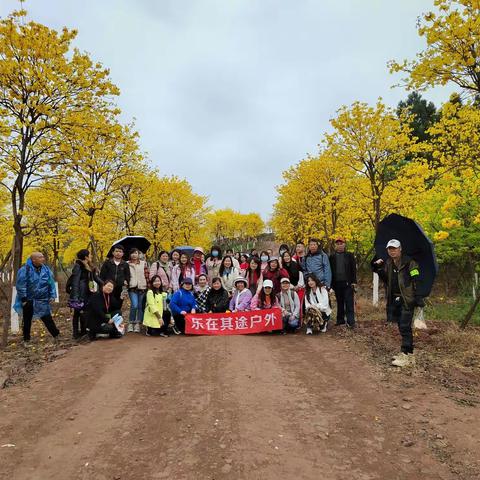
{"type": "Point", "coordinates": [274, 273]}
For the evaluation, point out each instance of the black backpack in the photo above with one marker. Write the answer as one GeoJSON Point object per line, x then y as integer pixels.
{"type": "Point", "coordinates": [69, 285]}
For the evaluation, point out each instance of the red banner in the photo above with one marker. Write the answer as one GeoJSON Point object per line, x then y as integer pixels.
{"type": "Point", "coordinates": [238, 323]}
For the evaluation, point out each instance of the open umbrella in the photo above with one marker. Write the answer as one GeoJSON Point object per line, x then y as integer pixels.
{"type": "Point", "coordinates": [415, 244]}
{"type": "Point", "coordinates": [132, 241]}
{"type": "Point", "coordinates": [185, 249]}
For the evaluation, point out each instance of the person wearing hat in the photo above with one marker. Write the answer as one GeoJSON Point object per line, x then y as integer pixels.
{"type": "Point", "coordinates": [242, 296]}
{"type": "Point", "coordinates": [198, 263]}
{"type": "Point", "coordinates": [275, 273]}
{"type": "Point", "coordinates": [344, 279]}
{"type": "Point", "coordinates": [265, 298]}
{"type": "Point", "coordinates": [182, 303]}
{"type": "Point", "coordinates": [400, 274]}
{"type": "Point", "coordinates": [290, 305]}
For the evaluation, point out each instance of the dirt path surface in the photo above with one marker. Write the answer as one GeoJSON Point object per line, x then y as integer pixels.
{"type": "Point", "coordinates": [247, 407]}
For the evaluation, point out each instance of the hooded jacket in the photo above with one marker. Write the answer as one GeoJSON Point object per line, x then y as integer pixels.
{"type": "Point", "coordinates": [36, 285]}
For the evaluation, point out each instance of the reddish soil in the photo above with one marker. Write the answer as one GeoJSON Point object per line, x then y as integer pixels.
{"type": "Point", "coordinates": [247, 407]}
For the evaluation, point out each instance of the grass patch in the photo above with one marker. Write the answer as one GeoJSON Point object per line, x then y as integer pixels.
{"type": "Point", "coordinates": [451, 309]}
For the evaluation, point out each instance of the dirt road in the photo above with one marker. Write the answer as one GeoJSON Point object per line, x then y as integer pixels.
{"type": "Point", "coordinates": [248, 407]}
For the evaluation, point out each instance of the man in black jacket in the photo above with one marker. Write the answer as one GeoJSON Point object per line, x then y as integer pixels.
{"type": "Point", "coordinates": [344, 279]}
{"type": "Point", "coordinates": [116, 269]}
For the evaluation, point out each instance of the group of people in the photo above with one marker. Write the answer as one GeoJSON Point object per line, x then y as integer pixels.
{"type": "Point", "coordinates": [161, 294]}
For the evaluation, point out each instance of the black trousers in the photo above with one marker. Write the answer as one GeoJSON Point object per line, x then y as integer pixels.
{"type": "Point", "coordinates": [166, 317]}
{"type": "Point", "coordinates": [345, 303]}
{"type": "Point", "coordinates": [27, 322]}
{"type": "Point", "coordinates": [109, 328]}
{"type": "Point", "coordinates": [79, 326]}
{"type": "Point", "coordinates": [180, 322]}
{"type": "Point", "coordinates": [403, 315]}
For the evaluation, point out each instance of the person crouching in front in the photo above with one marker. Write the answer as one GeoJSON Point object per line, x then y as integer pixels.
{"type": "Point", "coordinates": [101, 309]}
{"type": "Point", "coordinates": [182, 303]}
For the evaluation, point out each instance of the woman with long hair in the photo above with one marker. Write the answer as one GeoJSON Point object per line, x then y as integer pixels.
{"type": "Point", "coordinates": [254, 276]}
{"type": "Point", "coordinates": [180, 272]}
{"type": "Point", "coordinates": [82, 284]}
{"type": "Point", "coordinates": [265, 298]}
{"type": "Point", "coordinates": [156, 318]}
{"type": "Point", "coordinates": [317, 305]}
{"type": "Point", "coordinates": [228, 273]}
{"type": "Point", "coordinates": [137, 288]}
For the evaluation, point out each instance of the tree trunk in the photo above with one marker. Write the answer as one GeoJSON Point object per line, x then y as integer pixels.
{"type": "Point", "coordinates": [17, 245]}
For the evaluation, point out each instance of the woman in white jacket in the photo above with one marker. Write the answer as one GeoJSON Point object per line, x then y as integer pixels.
{"type": "Point", "coordinates": [317, 305]}
{"type": "Point", "coordinates": [228, 274]}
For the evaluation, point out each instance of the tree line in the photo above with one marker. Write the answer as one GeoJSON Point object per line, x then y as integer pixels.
{"type": "Point", "coordinates": [412, 159]}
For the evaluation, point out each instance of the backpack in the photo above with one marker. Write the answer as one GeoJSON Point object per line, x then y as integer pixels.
{"type": "Point", "coordinates": [69, 285]}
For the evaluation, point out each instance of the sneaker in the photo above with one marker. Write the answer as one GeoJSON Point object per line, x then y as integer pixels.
{"type": "Point", "coordinates": [404, 360]}
{"type": "Point", "coordinates": [136, 328]}
{"type": "Point", "coordinates": [146, 333]}
{"type": "Point", "coordinates": [27, 344]}
{"type": "Point", "coordinates": [309, 331]}
{"type": "Point", "coordinates": [324, 327]}
{"type": "Point", "coordinates": [164, 335]}
{"type": "Point", "coordinates": [130, 328]}
{"type": "Point", "coordinates": [175, 330]}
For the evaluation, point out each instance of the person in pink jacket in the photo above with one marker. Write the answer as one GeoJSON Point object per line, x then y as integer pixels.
{"type": "Point", "coordinates": [182, 271]}
{"type": "Point", "coordinates": [162, 269]}
{"type": "Point", "coordinates": [265, 298]}
{"type": "Point", "coordinates": [242, 296]}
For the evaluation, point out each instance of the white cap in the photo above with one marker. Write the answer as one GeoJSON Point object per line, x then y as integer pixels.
{"type": "Point", "coordinates": [267, 283]}
{"type": "Point", "coordinates": [285, 279]}
{"type": "Point", "coordinates": [394, 243]}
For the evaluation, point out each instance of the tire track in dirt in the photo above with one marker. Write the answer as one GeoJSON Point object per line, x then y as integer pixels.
{"type": "Point", "coordinates": [240, 407]}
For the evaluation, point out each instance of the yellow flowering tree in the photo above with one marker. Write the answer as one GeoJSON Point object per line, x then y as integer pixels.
{"type": "Point", "coordinates": [452, 35]}
{"type": "Point", "coordinates": [46, 88]}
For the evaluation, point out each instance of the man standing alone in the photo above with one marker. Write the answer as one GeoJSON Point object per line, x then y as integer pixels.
{"type": "Point", "coordinates": [35, 292]}
{"type": "Point", "coordinates": [344, 279]}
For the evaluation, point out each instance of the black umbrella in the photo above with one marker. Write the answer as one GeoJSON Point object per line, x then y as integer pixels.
{"type": "Point", "coordinates": [131, 241]}
{"type": "Point", "coordinates": [415, 244]}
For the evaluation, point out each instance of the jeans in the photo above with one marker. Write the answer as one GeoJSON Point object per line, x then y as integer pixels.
{"type": "Point", "coordinates": [287, 323]}
{"type": "Point", "coordinates": [27, 322]}
{"type": "Point", "coordinates": [403, 315]}
{"type": "Point", "coordinates": [345, 303]}
{"type": "Point", "coordinates": [136, 299]}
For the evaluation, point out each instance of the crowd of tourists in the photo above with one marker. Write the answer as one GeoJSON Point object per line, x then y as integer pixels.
{"type": "Point", "coordinates": [296, 280]}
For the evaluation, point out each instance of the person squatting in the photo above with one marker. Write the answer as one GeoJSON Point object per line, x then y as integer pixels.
{"type": "Point", "coordinates": [161, 294]}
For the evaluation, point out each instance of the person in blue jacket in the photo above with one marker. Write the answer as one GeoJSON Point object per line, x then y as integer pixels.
{"type": "Point", "coordinates": [35, 292]}
{"type": "Point", "coordinates": [182, 303]}
{"type": "Point", "coordinates": [316, 261]}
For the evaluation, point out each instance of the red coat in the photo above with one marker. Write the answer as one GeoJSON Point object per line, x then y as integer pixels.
{"type": "Point", "coordinates": [275, 276]}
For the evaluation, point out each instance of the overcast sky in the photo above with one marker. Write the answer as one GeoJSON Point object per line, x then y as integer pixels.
{"type": "Point", "coordinates": [230, 93]}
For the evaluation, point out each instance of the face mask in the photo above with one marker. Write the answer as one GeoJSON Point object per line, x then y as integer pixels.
{"type": "Point", "coordinates": [214, 253]}
{"type": "Point", "coordinates": [264, 258]}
